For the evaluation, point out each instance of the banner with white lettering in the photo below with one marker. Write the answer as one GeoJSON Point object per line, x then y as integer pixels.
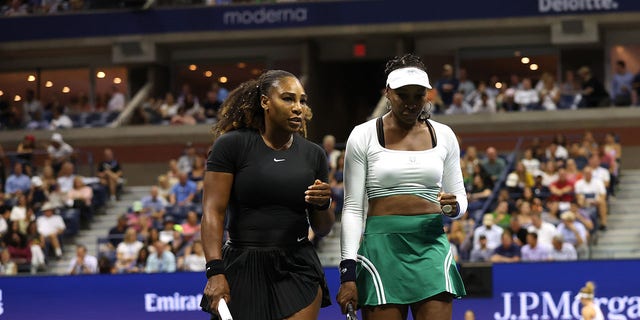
{"type": "Point", "coordinates": [522, 291]}
{"type": "Point", "coordinates": [290, 15]}
{"type": "Point", "coordinates": [531, 291]}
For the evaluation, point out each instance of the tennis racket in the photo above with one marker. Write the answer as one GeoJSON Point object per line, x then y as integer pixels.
{"type": "Point", "coordinates": [223, 310]}
{"type": "Point", "coordinates": [351, 313]}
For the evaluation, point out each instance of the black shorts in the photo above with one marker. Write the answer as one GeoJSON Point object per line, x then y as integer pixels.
{"type": "Point", "coordinates": [272, 283]}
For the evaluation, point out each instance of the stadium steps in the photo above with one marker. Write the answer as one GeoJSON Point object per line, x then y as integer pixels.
{"type": "Point", "coordinates": [99, 228]}
{"type": "Point", "coordinates": [329, 247]}
{"type": "Point", "coordinates": [622, 238]}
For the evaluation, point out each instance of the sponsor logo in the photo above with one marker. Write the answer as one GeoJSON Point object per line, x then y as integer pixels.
{"type": "Point", "coordinates": [278, 160]}
{"type": "Point", "coordinates": [265, 16]}
{"type": "Point", "coordinates": [543, 305]}
{"type": "Point", "coordinates": [177, 302]}
{"type": "Point", "coordinates": [545, 6]}
{"type": "Point", "coordinates": [301, 239]}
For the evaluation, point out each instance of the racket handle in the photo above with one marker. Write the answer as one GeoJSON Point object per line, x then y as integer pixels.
{"type": "Point", "coordinates": [351, 314]}
{"type": "Point", "coordinates": [223, 310]}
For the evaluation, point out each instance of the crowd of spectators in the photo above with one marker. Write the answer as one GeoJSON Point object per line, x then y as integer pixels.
{"type": "Point", "coordinates": [459, 95]}
{"type": "Point", "coordinates": [160, 232]}
{"type": "Point", "coordinates": [26, 7]}
{"type": "Point", "coordinates": [551, 203]}
{"type": "Point", "coordinates": [44, 201]}
{"type": "Point", "coordinates": [452, 96]}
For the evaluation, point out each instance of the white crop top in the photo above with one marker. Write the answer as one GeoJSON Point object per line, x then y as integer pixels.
{"type": "Point", "coordinates": [372, 171]}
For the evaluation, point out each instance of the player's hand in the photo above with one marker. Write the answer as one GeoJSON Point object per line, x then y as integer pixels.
{"type": "Point", "coordinates": [318, 194]}
{"type": "Point", "coordinates": [348, 293]}
{"type": "Point", "coordinates": [217, 288]}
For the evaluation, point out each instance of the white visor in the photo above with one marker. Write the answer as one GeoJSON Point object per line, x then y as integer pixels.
{"type": "Point", "coordinates": [408, 76]}
{"type": "Point", "coordinates": [582, 295]}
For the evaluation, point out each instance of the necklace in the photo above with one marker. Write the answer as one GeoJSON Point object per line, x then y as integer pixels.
{"type": "Point", "coordinates": [283, 147]}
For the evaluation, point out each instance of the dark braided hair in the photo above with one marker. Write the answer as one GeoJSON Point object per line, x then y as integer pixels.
{"type": "Point", "coordinates": [243, 109]}
{"type": "Point", "coordinates": [406, 61]}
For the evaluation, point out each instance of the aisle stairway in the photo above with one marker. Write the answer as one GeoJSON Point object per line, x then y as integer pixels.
{"type": "Point", "coordinates": [99, 228]}
{"type": "Point", "coordinates": [622, 239]}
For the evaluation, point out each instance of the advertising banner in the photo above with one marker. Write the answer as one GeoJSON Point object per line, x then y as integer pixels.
{"type": "Point", "coordinates": [522, 291]}
{"type": "Point", "coordinates": [289, 15]}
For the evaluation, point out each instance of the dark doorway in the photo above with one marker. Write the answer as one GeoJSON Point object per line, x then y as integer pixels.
{"type": "Point", "coordinates": [343, 94]}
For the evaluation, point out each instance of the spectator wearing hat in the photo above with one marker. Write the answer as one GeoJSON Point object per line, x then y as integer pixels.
{"type": "Point", "coordinates": [138, 219]}
{"type": "Point", "coordinates": [59, 152]}
{"type": "Point", "coordinates": [482, 253]}
{"type": "Point", "coordinates": [51, 226]}
{"type": "Point", "coordinates": [491, 231]}
{"type": "Point", "coordinates": [574, 233]}
{"type": "Point", "coordinates": [37, 195]}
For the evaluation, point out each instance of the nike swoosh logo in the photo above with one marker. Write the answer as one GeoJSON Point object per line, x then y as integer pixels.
{"type": "Point", "coordinates": [301, 239]}
{"type": "Point", "coordinates": [278, 160]}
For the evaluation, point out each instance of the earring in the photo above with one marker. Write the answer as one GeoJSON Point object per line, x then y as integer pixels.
{"type": "Point", "coordinates": [388, 104]}
{"type": "Point", "coordinates": [426, 112]}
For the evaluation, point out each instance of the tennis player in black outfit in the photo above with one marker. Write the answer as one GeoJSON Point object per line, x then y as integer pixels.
{"type": "Point", "coordinates": [273, 184]}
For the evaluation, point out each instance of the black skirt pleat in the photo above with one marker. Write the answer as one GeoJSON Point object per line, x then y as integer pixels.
{"type": "Point", "coordinates": [272, 283]}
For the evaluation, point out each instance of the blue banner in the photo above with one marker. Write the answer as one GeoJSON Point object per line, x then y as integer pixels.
{"type": "Point", "coordinates": [289, 15]}
{"type": "Point", "coordinates": [523, 291]}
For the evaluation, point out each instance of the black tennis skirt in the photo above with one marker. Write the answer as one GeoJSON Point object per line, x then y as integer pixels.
{"type": "Point", "coordinates": [271, 283]}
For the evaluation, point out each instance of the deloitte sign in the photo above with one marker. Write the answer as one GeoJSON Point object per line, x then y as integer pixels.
{"type": "Point", "coordinates": [561, 6]}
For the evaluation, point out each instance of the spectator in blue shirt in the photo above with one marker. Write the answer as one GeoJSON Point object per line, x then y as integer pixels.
{"type": "Point", "coordinates": [183, 192]}
{"type": "Point", "coordinates": [154, 204]}
{"type": "Point", "coordinates": [507, 251]}
{"type": "Point", "coordinates": [621, 85]}
{"type": "Point", "coordinates": [17, 181]}
{"type": "Point", "coordinates": [162, 260]}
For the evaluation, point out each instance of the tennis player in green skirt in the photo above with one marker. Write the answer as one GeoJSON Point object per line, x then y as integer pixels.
{"type": "Point", "coordinates": [402, 172]}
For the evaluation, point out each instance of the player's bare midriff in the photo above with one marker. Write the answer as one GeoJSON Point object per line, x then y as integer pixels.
{"type": "Point", "coordinates": [404, 205]}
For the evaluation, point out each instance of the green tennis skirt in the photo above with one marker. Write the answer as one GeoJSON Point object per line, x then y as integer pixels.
{"type": "Point", "coordinates": [405, 259]}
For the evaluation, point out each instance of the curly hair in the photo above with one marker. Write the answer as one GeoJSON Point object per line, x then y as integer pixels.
{"type": "Point", "coordinates": [404, 61]}
{"type": "Point", "coordinates": [242, 108]}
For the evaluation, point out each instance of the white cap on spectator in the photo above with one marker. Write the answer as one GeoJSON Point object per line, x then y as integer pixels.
{"type": "Point", "coordinates": [36, 181]}
{"type": "Point", "coordinates": [56, 137]}
{"type": "Point", "coordinates": [408, 76]}
{"type": "Point", "coordinates": [47, 206]}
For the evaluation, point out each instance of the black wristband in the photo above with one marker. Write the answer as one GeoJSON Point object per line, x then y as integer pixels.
{"type": "Point", "coordinates": [347, 270]}
{"type": "Point", "coordinates": [324, 207]}
{"type": "Point", "coordinates": [214, 267]}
